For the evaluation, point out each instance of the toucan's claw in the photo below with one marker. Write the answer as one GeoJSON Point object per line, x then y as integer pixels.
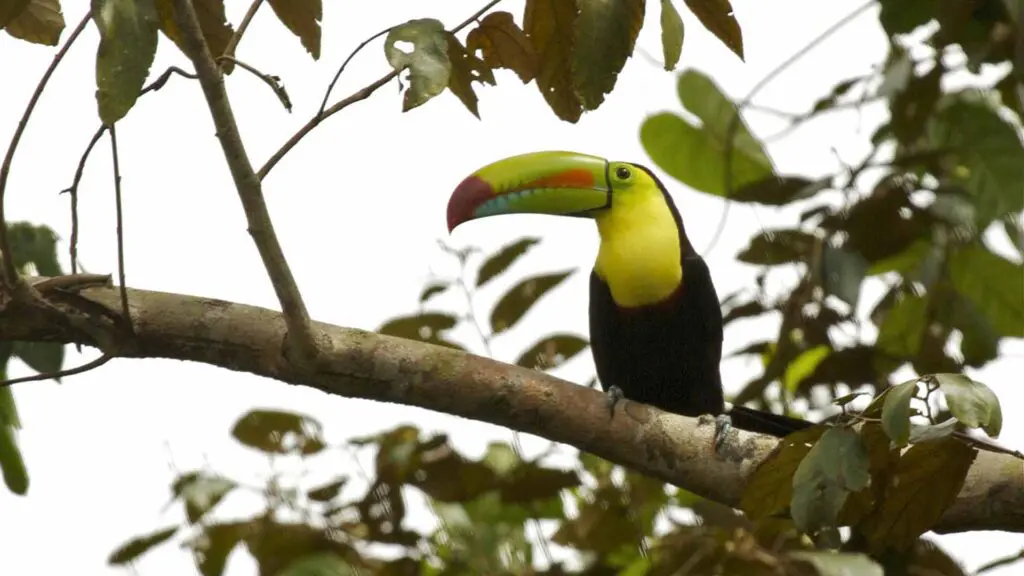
{"type": "Point", "coordinates": [614, 394]}
{"type": "Point", "coordinates": [723, 424]}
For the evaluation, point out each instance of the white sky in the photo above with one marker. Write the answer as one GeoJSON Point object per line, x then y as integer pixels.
{"type": "Point", "coordinates": [358, 206]}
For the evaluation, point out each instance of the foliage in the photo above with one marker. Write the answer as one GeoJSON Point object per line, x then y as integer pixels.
{"type": "Point", "coordinates": [948, 168]}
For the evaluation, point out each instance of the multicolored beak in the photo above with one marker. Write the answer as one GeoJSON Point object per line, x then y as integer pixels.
{"type": "Point", "coordinates": [557, 183]}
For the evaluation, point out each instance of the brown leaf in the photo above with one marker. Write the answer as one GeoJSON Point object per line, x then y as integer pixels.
{"type": "Point", "coordinates": [770, 488]}
{"type": "Point", "coordinates": [922, 484]}
{"type": "Point", "coordinates": [466, 68]}
{"type": "Point", "coordinates": [717, 16]}
{"type": "Point", "coordinates": [303, 18]}
{"type": "Point", "coordinates": [9, 9]}
{"type": "Point", "coordinates": [217, 31]}
{"type": "Point", "coordinates": [605, 36]}
{"type": "Point", "coordinates": [41, 22]}
{"type": "Point", "coordinates": [549, 25]}
{"type": "Point", "coordinates": [503, 44]}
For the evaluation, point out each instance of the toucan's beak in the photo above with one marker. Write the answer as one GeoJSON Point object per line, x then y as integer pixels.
{"type": "Point", "coordinates": [559, 183]}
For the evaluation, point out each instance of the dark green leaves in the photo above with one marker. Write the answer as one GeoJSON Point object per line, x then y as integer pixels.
{"type": "Point", "coordinates": [35, 245]}
{"type": "Point", "coordinates": [836, 466]}
{"type": "Point", "coordinates": [993, 284]}
{"type": "Point", "coordinates": [972, 403]}
{"type": "Point", "coordinates": [896, 412]}
{"type": "Point", "coordinates": [518, 301]}
{"type": "Point", "coordinates": [549, 24]}
{"type": "Point", "coordinates": [717, 16]}
{"type": "Point", "coordinates": [552, 351]}
{"type": "Point", "coordinates": [503, 259]}
{"type": "Point", "coordinates": [605, 35]}
{"type": "Point", "coordinates": [279, 432]}
{"type": "Point", "coordinates": [779, 190]}
{"type": "Point", "coordinates": [425, 327]}
{"type": "Point", "coordinates": [671, 34]}
{"type": "Point", "coordinates": [43, 357]}
{"type": "Point", "coordinates": [139, 545]}
{"type": "Point", "coordinates": [128, 38]}
{"type": "Point", "coordinates": [427, 62]}
{"type": "Point", "coordinates": [778, 247]}
{"type": "Point", "coordinates": [696, 155]}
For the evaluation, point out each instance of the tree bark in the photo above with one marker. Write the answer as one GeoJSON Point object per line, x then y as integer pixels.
{"type": "Point", "coordinates": [363, 364]}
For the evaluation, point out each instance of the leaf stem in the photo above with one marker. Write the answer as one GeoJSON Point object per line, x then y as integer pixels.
{"type": "Point", "coordinates": [229, 50]}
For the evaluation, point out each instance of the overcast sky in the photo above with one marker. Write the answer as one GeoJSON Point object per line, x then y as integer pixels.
{"type": "Point", "coordinates": [358, 207]}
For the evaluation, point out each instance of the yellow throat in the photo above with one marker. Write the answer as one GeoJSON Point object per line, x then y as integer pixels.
{"type": "Point", "coordinates": [639, 257]}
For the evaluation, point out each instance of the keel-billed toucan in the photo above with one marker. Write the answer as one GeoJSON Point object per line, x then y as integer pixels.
{"type": "Point", "coordinates": [655, 321]}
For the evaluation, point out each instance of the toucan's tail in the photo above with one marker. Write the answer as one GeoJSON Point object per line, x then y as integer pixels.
{"type": "Point", "coordinates": [763, 422]}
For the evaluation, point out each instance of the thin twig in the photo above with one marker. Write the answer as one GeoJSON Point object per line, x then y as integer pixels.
{"type": "Point", "coordinates": [229, 50]}
{"type": "Point", "coordinates": [734, 122]}
{"type": "Point", "coordinates": [60, 373]}
{"type": "Point", "coordinates": [270, 80]}
{"type": "Point", "coordinates": [120, 230]}
{"type": "Point", "coordinates": [357, 96]}
{"type": "Point", "coordinates": [250, 192]}
{"type": "Point", "coordinates": [1001, 562]}
{"type": "Point", "coordinates": [73, 191]}
{"type": "Point", "coordinates": [10, 276]}
{"type": "Point", "coordinates": [337, 74]}
{"type": "Point", "coordinates": [159, 82]}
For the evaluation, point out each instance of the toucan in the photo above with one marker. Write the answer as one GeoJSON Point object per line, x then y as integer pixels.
{"type": "Point", "coordinates": [655, 320]}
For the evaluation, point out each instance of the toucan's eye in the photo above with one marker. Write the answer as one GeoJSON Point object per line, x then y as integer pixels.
{"type": "Point", "coordinates": [622, 173]}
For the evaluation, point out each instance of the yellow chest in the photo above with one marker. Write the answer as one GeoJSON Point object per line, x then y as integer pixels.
{"type": "Point", "coordinates": [639, 257]}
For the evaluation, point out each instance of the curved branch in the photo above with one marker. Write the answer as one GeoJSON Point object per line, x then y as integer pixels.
{"type": "Point", "coordinates": [362, 364]}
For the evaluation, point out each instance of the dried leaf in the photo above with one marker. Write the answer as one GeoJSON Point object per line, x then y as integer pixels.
{"type": "Point", "coordinates": [549, 26]}
{"type": "Point", "coordinates": [41, 22]}
{"type": "Point", "coordinates": [503, 44]}
{"type": "Point", "coordinates": [303, 18]}
{"type": "Point", "coordinates": [465, 69]}
{"type": "Point", "coordinates": [717, 16]}
{"type": "Point", "coordinates": [10, 9]}
{"type": "Point", "coordinates": [217, 31]}
{"type": "Point", "coordinates": [606, 33]}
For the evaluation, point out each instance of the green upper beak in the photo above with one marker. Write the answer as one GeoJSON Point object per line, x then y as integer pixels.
{"type": "Point", "coordinates": [559, 183]}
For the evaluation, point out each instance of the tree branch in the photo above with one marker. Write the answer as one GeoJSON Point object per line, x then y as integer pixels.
{"type": "Point", "coordinates": [300, 331]}
{"type": "Point", "coordinates": [365, 365]}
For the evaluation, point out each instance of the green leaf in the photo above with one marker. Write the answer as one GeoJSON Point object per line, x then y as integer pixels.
{"type": "Point", "coordinates": [549, 26]}
{"type": "Point", "coordinates": [132, 549]}
{"type": "Point", "coordinates": [41, 22]}
{"type": "Point", "coordinates": [971, 402]}
{"type": "Point", "coordinates": [717, 112]}
{"type": "Point", "coordinates": [328, 491]}
{"type": "Point", "coordinates": [503, 44]}
{"type": "Point", "coordinates": [993, 284]}
{"type": "Point", "coordinates": [10, 9]}
{"type": "Point", "coordinates": [217, 31]}
{"type": "Point", "coordinates": [774, 247]}
{"type": "Point", "coordinates": [896, 412]}
{"type": "Point", "coordinates": [989, 153]}
{"type": "Point", "coordinates": [901, 16]}
{"type": "Point", "coordinates": [1014, 231]}
{"type": "Point", "coordinates": [279, 432]}
{"type": "Point", "coordinates": [780, 190]}
{"type": "Point", "coordinates": [214, 544]}
{"type": "Point", "coordinates": [605, 35]}
{"type": "Point", "coordinates": [717, 16]}
{"type": "Point", "coordinates": [36, 245]}
{"type": "Point", "coordinates": [932, 432]}
{"type": "Point", "coordinates": [770, 488]}
{"type": "Point", "coordinates": [12, 466]}
{"type": "Point", "coordinates": [830, 563]}
{"type": "Point", "coordinates": [842, 273]}
{"type": "Point", "coordinates": [320, 564]}
{"type": "Point", "coordinates": [43, 357]}
{"type": "Point", "coordinates": [836, 466]}
{"type": "Point", "coordinates": [201, 492]}
{"type": "Point", "coordinates": [803, 366]}
{"type": "Point", "coordinates": [696, 156]}
{"type": "Point", "coordinates": [425, 327]}
{"type": "Point", "coordinates": [552, 351]}
{"type": "Point", "coordinates": [901, 332]}
{"type": "Point", "coordinates": [433, 289]}
{"type": "Point", "coordinates": [128, 38]}
{"type": "Point", "coordinates": [979, 342]}
{"type": "Point", "coordinates": [302, 18]}
{"type": "Point", "coordinates": [671, 34]}
{"type": "Point", "coordinates": [518, 301]}
{"type": "Point", "coordinates": [503, 259]}
{"type": "Point", "coordinates": [428, 63]}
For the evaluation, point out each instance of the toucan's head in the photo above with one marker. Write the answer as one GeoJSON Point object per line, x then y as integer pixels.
{"type": "Point", "coordinates": [557, 183]}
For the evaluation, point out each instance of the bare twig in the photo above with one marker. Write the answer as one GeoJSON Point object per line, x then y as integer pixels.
{"type": "Point", "coordinates": [270, 80]}
{"type": "Point", "coordinates": [10, 273]}
{"type": "Point", "coordinates": [229, 50]}
{"type": "Point", "coordinates": [159, 82]}
{"type": "Point", "coordinates": [1001, 562]}
{"type": "Point", "coordinates": [120, 229]}
{"type": "Point", "coordinates": [73, 191]}
{"type": "Point", "coordinates": [261, 228]}
{"type": "Point", "coordinates": [734, 122]}
{"type": "Point", "coordinates": [357, 96]}
{"type": "Point", "coordinates": [60, 373]}
{"type": "Point", "coordinates": [337, 74]}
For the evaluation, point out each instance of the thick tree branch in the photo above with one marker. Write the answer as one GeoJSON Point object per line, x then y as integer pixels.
{"type": "Point", "coordinates": [366, 365]}
{"type": "Point", "coordinates": [300, 331]}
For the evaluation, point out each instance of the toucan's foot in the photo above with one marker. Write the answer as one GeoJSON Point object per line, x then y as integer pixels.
{"type": "Point", "coordinates": [614, 394]}
{"type": "Point", "coordinates": [723, 424]}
